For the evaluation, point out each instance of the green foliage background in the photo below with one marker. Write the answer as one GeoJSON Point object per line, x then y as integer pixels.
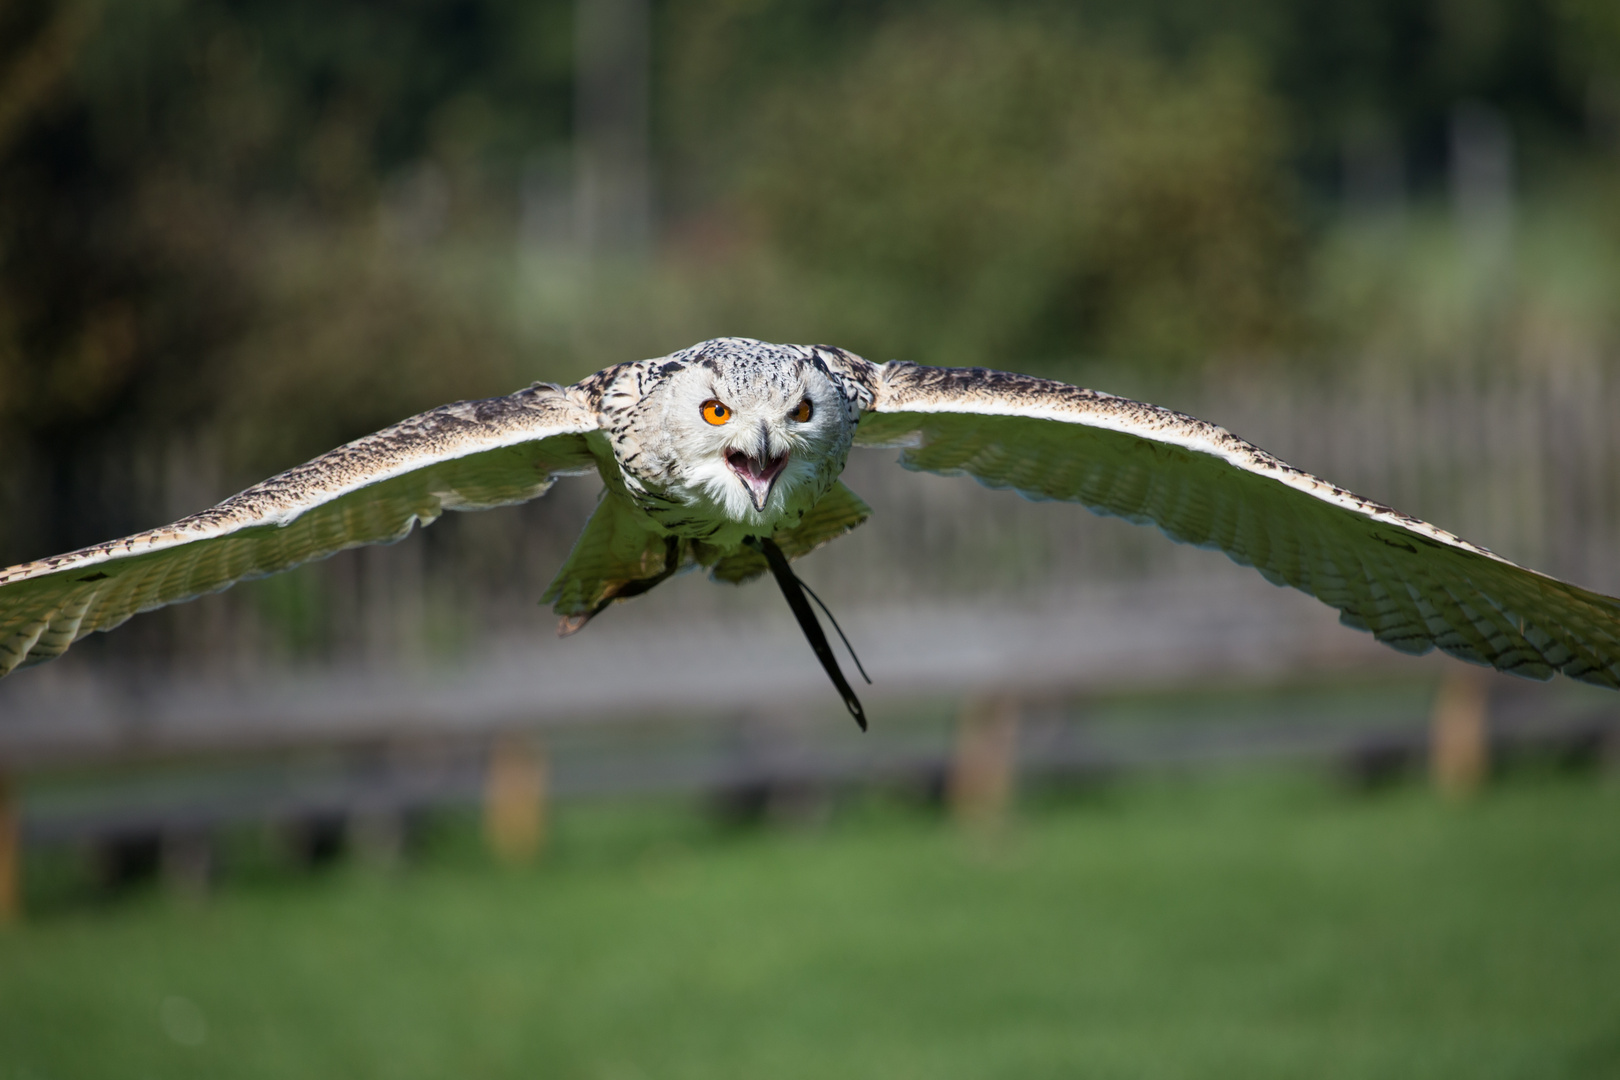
{"type": "Point", "coordinates": [253, 230]}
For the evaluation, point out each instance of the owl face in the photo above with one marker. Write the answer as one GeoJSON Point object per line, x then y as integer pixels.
{"type": "Point", "coordinates": [756, 432]}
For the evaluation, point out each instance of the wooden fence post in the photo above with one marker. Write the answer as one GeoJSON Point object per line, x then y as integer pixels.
{"type": "Point", "coordinates": [10, 853]}
{"type": "Point", "coordinates": [982, 770]}
{"type": "Point", "coordinates": [515, 799]}
{"type": "Point", "coordinates": [187, 859]}
{"type": "Point", "coordinates": [1459, 748]}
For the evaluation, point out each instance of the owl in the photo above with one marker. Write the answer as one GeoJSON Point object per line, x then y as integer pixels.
{"type": "Point", "coordinates": [727, 456]}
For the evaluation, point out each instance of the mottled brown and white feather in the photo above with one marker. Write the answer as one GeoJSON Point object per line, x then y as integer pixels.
{"type": "Point", "coordinates": [466, 456]}
{"type": "Point", "coordinates": [669, 486]}
{"type": "Point", "coordinates": [1414, 586]}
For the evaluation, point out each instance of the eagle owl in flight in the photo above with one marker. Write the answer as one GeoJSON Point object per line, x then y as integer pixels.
{"type": "Point", "coordinates": [727, 455]}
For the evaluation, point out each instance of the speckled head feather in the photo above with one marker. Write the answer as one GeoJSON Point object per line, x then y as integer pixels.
{"type": "Point", "coordinates": [773, 444]}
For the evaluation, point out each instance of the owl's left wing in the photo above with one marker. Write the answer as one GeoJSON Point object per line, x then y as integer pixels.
{"type": "Point", "coordinates": [467, 456]}
{"type": "Point", "coordinates": [1414, 586]}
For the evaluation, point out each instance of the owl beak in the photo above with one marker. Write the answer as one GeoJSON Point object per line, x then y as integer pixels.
{"type": "Point", "coordinates": [758, 475]}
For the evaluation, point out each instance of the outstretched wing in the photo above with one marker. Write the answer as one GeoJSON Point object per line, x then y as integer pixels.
{"type": "Point", "coordinates": [1414, 586]}
{"type": "Point", "coordinates": [468, 456]}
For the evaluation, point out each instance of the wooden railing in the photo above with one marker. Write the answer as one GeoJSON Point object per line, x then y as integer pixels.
{"type": "Point", "coordinates": [952, 592]}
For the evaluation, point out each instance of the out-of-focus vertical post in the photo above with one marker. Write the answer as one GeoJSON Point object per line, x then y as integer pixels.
{"type": "Point", "coordinates": [982, 772]}
{"type": "Point", "coordinates": [1459, 750]}
{"type": "Point", "coordinates": [613, 185]}
{"type": "Point", "coordinates": [1482, 188]}
{"type": "Point", "coordinates": [515, 799]}
{"type": "Point", "coordinates": [10, 853]}
{"type": "Point", "coordinates": [188, 863]}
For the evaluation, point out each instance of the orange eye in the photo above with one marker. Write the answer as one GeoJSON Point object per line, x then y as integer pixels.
{"type": "Point", "coordinates": [715, 412]}
{"type": "Point", "coordinates": [802, 413]}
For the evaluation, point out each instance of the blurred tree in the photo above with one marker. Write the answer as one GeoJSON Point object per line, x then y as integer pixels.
{"type": "Point", "coordinates": [995, 191]}
{"type": "Point", "coordinates": [216, 212]}
{"type": "Point", "coordinates": [211, 210]}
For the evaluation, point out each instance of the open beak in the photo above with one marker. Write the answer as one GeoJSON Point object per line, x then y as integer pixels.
{"type": "Point", "coordinates": [759, 475]}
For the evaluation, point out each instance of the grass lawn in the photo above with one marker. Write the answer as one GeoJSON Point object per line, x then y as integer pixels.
{"type": "Point", "coordinates": [1242, 926]}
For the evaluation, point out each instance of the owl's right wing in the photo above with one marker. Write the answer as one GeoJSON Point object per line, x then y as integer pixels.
{"type": "Point", "coordinates": [1414, 586]}
{"type": "Point", "coordinates": [471, 455]}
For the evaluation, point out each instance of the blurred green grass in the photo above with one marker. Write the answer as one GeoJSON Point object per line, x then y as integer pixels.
{"type": "Point", "coordinates": [1244, 926]}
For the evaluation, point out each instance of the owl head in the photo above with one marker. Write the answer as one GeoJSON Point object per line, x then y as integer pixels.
{"type": "Point", "coordinates": [756, 431]}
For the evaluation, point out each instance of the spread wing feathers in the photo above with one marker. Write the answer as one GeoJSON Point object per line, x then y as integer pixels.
{"type": "Point", "coordinates": [467, 456]}
{"type": "Point", "coordinates": [1414, 586]}
{"type": "Point", "coordinates": [617, 556]}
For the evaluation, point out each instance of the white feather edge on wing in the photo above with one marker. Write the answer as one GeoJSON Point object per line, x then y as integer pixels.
{"type": "Point", "coordinates": [576, 420]}
{"type": "Point", "coordinates": [1113, 413]}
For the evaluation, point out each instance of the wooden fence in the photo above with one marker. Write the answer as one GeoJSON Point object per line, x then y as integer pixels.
{"type": "Point", "coordinates": [953, 593]}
